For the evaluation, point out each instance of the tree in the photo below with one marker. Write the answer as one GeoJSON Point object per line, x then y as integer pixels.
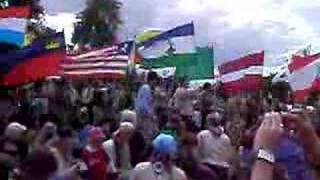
{"type": "Point", "coordinates": [98, 23]}
{"type": "Point", "coordinates": [36, 26]}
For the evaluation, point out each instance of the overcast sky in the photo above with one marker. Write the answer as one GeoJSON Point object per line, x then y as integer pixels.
{"type": "Point", "coordinates": [235, 27]}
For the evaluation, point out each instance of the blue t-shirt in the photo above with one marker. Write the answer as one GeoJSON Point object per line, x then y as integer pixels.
{"type": "Point", "coordinates": [83, 136]}
{"type": "Point", "coordinates": [291, 155]}
{"type": "Point", "coordinates": [143, 103]}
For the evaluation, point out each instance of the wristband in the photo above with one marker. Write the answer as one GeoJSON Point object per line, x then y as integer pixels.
{"type": "Point", "coordinates": [266, 155]}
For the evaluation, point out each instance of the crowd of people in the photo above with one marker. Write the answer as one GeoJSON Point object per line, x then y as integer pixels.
{"type": "Point", "coordinates": [146, 130]}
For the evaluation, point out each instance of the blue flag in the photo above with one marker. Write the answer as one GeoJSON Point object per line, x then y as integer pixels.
{"type": "Point", "coordinates": [183, 30]}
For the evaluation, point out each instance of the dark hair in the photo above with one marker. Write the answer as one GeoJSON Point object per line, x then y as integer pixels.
{"type": "Point", "coordinates": [189, 139]}
{"type": "Point", "coordinates": [152, 76]}
{"type": "Point", "coordinates": [175, 117]}
{"type": "Point", "coordinates": [39, 164]}
{"type": "Point", "coordinates": [98, 98]}
{"type": "Point", "coordinates": [206, 86]}
{"type": "Point", "coordinates": [64, 132]}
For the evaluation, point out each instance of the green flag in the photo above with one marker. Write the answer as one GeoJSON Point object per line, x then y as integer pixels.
{"type": "Point", "coordinates": [195, 65]}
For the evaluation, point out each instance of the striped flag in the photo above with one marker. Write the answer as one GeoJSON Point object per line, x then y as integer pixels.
{"type": "Point", "coordinates": [243, 74]}
{"type": "Point", "coordinates": [110, 62]}
{"type": "Point", "coordinates": [13, 23]}
{"type": "Point", "coordinates": [16, 11]}
{"type": "Point", "coordinates": [34, 62]}
{"type": "Point", "coordinates": [304, 75]}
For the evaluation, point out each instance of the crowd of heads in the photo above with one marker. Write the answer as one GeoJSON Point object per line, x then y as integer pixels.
{"type": "Point", "coordinates": [145, 130]}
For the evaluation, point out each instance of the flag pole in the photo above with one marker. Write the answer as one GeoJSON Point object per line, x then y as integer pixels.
{"type": "Point", "coordinates": [213, 75]}
{"type": "Point", "coordinates": [194, 33]}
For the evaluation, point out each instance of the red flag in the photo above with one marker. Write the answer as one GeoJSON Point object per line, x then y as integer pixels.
{"type": "Point", "coordinates": [304, 75]}
{"type": "Point", "coordinates": [243, 74]}
{"type": "Point", "coordinates": [35, 68]}
{"type": "Point", "coordinates": [35, 62]}
{"type": "Point", "coordinates": [16, 11]}
{"type": "Point", "coordinates": [109, 62]}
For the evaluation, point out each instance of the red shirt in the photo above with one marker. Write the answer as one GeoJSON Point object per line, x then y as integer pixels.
{"type": "Point", "coordinates": [97, 161]}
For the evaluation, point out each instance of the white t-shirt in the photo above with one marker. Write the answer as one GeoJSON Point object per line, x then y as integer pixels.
{"type": "Point", "coordinates": [87, 95]}
{"type": "Point", "coordinates": [109, 147]}
{"type": "Point", "coordinates": [146, 171]}
{"type": "Point", "coordinates": [215, 150]}
{"type": "Point", "coordinates": [183, 101]}
{"type": "Point", "coordinates": [197, 119]}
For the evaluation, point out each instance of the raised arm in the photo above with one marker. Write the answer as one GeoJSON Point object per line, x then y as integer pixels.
{"type": "Point", "coordinates": [266, 140]}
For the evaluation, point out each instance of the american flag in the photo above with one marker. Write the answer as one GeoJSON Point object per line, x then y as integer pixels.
{"type": "Point", "coordinates": [109, 62]}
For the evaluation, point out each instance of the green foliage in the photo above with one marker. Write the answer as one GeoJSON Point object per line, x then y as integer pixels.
{"type": "Point", "coordinates": [98, 23]}
{"type": "Point", "coordinates": [37, 27]}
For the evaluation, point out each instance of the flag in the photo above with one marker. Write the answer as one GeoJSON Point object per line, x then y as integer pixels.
{"type": "Point", "coordinates": [178, 40]}
{"type": "Point", "coordinates": [304, 51]}
{"type": "Point", "coordinates": [134, 56]}
{"type": "Point", "coordinates": [34, 62]}
{"type": "Point", "coordinates": [12, 31]}
{"type": "Point", "coordinates": [304, 75]}
{"type": "Point", "coordinates": [196, 84]}
{"type": "Point", "coordinates": [282, 75]}
{"type": "Point", "coordinates": [147, 35]}
{"type": "Point", "coordinates": [299, 62]}
{"type": "Point", "coordinates": [164, 73]}
{"type": "Point", "coordinates": [243, 74]}
{"type": "Point", "coordinates": [16, 11]}
{"type": "Point", "coordinates": [109, 62]}
{"type": "Point", "coordinates": [180, 31]}
{"type": "Point", "coordinates": [197, 65]}
{"type": "Point", "coordinates": [13, 23]}
{"type": "Point", "coordinates": [176, 48]}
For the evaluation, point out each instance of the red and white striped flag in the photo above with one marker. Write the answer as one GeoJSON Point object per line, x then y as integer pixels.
{"type": "Point", "coordinates": [243, 74]}
{"type": "Point", "coordinates": [110, 62]}
{"type": "Point", "coordinates": [304, 75]}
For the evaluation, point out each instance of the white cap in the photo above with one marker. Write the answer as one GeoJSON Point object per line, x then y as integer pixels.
{"type": "Point", "coordinates": [127, 125]}
{"type": "Point", "coordinates": [14, 130]}
{"type": "Point", "coordinates": [124, 127]}
{"type": "Point", "coordinates": [129, 116]}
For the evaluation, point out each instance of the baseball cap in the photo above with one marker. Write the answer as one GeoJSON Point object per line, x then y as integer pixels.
{"type": "Point", "coordinates": [14, 130]}
{"type": "Point", "coordinates": [96, 133]}
{"type": "Point", "coordinates": [129, 116]}
{"type": "Point", "coordinates": [125, 127]}
{"type": "Point", "coordinates": [165, 144]}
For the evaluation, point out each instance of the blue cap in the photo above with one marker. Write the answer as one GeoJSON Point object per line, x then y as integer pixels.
{"type": "Point", "coordinates": [165, 144]}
